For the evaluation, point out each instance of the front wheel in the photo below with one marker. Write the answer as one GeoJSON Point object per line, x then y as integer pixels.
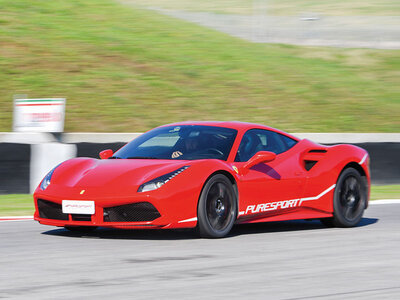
{"type": "Point", "coordinates": [217, 207]}
{"type": "Point", "coordinates": [349, 200]}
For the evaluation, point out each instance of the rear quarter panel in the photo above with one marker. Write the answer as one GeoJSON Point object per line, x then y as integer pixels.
{"type": "Point", "coordinates": [326, 172]}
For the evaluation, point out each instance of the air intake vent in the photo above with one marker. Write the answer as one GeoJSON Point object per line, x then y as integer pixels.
{"type": "Point", "coordinates": [50, 210]}
{"type": "Point", "coordinates": [78, 217]}
{"type": "Point", "coordinates": [135, 212]}
{"type": "Point", "coordinates": [312, 156]}
{"type": "Point", "coordinates": [308, 164]}
{"type": "Point", "coordinates": [317, 151]}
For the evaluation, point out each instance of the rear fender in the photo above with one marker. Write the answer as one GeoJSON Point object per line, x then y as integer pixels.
{"type": "Point", "coordinates": [327, 167]}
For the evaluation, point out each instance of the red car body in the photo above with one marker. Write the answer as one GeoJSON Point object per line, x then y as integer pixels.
{"type": "Point", "coordinates": [298, 184]}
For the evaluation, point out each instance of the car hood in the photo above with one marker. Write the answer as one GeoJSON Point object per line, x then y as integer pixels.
{"type": "Point", "coordinates": [89, 172]}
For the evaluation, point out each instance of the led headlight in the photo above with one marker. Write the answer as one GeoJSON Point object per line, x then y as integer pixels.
{"type": "Point", "coordinates": [160, 181]}
{"type": "Point", "coordinates": [46, 180]}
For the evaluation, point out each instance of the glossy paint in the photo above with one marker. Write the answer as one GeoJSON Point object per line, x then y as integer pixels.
{"type": "Point", "coordinates": [281, 189]}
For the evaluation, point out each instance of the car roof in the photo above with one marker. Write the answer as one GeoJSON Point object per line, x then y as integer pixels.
{"type": "Point", "coordinates": [240, 126]}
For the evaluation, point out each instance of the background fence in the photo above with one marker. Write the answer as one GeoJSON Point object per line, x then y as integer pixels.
{"type": "Point", "coordinates": [24, 163]}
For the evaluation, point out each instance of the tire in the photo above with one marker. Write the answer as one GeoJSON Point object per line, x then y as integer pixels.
{"type": "Point", "coordinates": [349, 200]}
{"type": "Point", "coordinates": [81, 229]}
{"type": "Point", "coordinates": [217, 208]}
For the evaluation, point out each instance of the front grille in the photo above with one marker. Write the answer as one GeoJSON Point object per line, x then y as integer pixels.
{"type": "Point", "coordinates": [135, 212]}
{"type": "Point", "coordinates": [78, 217]}
{"type": "Point", "coordinates": [50, 210]}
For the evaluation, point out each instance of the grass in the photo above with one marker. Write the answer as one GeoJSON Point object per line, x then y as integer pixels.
{"type": "Point", "coordinates": [124, 69]}
{"type": "Point", "coordinates": [279, 7]}
{"type": "Point", "coordinates": [16, 205]}
{"type": "Point", "coordinates": [22, 204]}
{"type": "Point", "coordinates": [385, 192]}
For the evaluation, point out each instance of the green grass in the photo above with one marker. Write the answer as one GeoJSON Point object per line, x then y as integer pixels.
{"type": "Point", "coordinates": [16, 205]}
{"type": "Point", "coordinates": [279, 7]}
{"type": "Point", "coordinates": [127, 70]}
{"type": "Point", "coordinates": [22, 204]}
{"type": "Point", "coordinates": [385, 192]}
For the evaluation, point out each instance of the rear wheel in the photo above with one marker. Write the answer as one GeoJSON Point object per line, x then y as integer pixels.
{"type": "Point", "coordinates": [349, 200]}
{"type": "Point", "coordinates": [217, 207]}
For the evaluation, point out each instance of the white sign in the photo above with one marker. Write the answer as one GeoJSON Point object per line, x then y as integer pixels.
{"type": "Point", "coordinates": [78, 207]}
{"type": "Point", "coordinates": [39, 115]}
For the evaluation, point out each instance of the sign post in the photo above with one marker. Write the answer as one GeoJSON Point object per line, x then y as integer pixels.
{"type": "Point", "coordinates": [39, 115]}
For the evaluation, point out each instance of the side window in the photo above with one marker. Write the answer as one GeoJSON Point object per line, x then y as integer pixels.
{"type": "Point", "coordinates": [288, 141]}
{"type": "Point", "coordinates": [255, 140]}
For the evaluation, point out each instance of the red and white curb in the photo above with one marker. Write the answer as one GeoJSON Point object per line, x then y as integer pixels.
{"type": "Point", "coordinates": [29, 218]}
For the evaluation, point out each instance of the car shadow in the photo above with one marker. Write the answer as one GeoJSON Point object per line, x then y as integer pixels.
{"type": "Point", "coordinates": [187, 234]}
{"type": "Point", "coordinates": [283, 226]}
{"type": "Point", "coordinates": [132, 234]}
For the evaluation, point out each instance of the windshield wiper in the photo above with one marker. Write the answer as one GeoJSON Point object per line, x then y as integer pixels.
{"type": "Point", "coordinates": [114, 157]}
{"type": "Point", "coordinates": [141, 157]}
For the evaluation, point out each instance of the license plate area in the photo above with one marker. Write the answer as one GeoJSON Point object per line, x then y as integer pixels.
{"type": "Point", "coordinates": [78, 207]}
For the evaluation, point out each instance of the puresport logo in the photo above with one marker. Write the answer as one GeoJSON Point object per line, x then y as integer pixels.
{"type": "Point", "coordinates": [272, 206]}
{"type": "Point", "coordinates": [253, 209]}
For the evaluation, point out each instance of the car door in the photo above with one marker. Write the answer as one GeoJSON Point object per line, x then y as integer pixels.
{"type": "Point", "coordinates": [273, 186]}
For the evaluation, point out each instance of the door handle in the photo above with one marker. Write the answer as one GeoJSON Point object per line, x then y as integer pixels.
{"type": "Point", "coordinates": [298, 173]}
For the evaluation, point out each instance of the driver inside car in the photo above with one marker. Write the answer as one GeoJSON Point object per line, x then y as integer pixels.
{"type": "Point", "coordinates": [190, 144]}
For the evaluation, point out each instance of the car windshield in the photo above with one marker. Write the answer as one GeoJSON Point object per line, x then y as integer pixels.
{"type": "Point", "coordinates": [185, 142]}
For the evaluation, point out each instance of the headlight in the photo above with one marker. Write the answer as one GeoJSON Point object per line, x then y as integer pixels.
{"type": "Point", "coordinates": [160, 181]}
{"type": "Point", "coordinates": [46, 180]}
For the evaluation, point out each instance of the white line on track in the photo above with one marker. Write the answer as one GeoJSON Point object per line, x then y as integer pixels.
{"type": "Point", "coordinates": [384, 201]}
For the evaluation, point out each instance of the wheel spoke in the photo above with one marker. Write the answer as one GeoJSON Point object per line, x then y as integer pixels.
{"type": "Point", "coordinates": [347, 213]}
{"type": "Point", "coordinates": [346, 187]}
{"type": "Point", "coordinates": [352, 183]}
{"type": "Point", "coordinates": [211, 209]}
{"type": "Point", "coordinates": [214, 222]}
{"type": "Point", "coordinates": [221, 190]}
{"type": "Point", "coordinates": [213, 193]}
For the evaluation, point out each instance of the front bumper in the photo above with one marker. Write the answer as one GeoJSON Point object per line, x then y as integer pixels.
{"type": "Point", "coordinates": [140, 212]}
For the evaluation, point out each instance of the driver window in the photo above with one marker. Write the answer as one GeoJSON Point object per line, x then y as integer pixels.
{"type": "Point", "coordinates": [255, 140]}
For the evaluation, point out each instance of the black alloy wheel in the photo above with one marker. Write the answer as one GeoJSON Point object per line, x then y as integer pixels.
{"type": "Point", "coordinates": [217, 208]}
{"type": "Point", "coordinates": [349, 200]}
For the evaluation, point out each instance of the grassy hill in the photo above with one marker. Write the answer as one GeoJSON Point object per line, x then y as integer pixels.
{"type": "Point", "coordinates": [127, 70]}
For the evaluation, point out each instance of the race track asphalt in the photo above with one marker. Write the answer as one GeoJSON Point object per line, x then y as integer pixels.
{"type": "Point", "coordinates": [379, 32]}
{"type": "Point", "coordinates": [283, 260]}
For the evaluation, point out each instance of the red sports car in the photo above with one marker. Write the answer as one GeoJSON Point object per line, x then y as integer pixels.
{"type": "Point", "coordinates": [209, 175]}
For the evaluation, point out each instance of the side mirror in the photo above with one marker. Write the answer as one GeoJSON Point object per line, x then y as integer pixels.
{"type": "Point", "coordinates": [260, 157]}
{"type": "Point", "coordinates": [106, 154]}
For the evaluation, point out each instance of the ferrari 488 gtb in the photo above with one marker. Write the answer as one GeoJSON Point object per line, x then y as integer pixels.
{"type": "Point", "coordinates": [208, 175]}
